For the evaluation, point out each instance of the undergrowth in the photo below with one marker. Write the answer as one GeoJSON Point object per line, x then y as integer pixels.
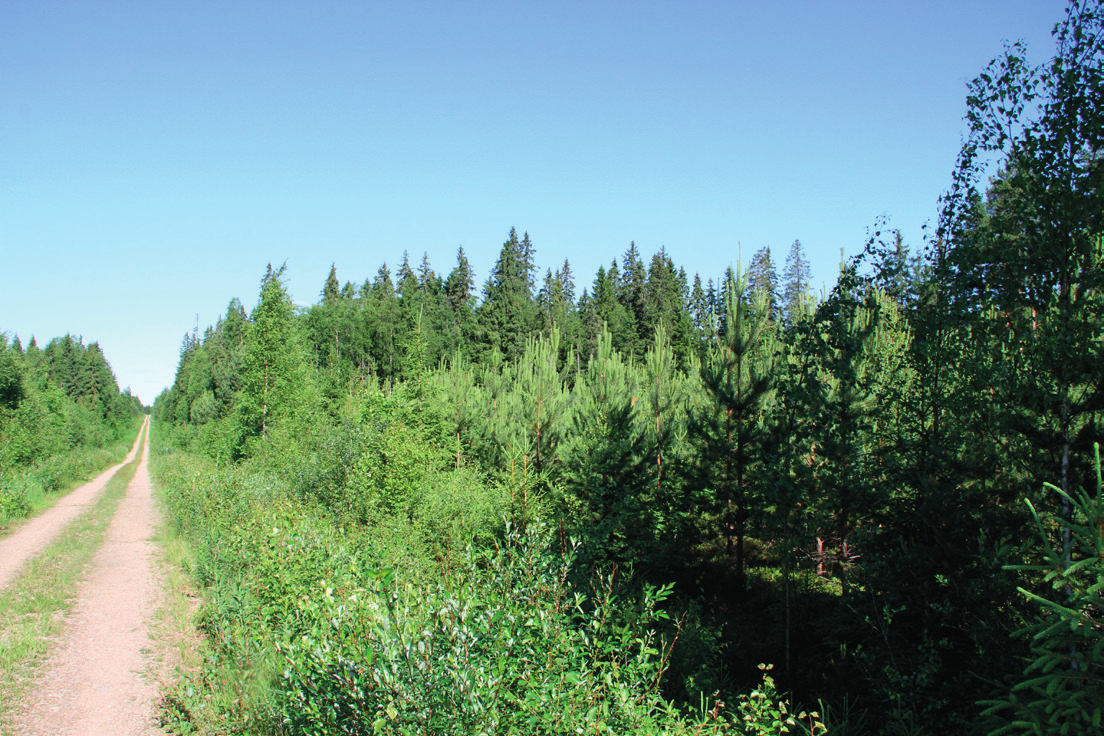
{"type": "Point", "coordinates": [319, 622]}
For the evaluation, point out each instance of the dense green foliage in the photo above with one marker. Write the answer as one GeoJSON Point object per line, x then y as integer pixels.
{"type": "Point", "coordinates": [60, 411]}
{"type": "Point", "coordinates": [370, 585]}
{"type": "Point", "coordinates": [417, 510]}
{"type": "Point", "coordinates": [1064, 690]}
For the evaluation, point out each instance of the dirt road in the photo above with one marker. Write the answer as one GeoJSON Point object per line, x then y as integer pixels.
{"type": "Point", "coordinates": [101, 677]}
{"type": "Point", "coordinates": [31, 538]}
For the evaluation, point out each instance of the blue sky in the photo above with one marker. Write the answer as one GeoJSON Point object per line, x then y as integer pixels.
{"type": "Point", "coordinates": [155, 156]}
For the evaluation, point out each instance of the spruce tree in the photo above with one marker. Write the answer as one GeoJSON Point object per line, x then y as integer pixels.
{"type": "Point", "coordinates": [547, 302]}
{"type": "Point", "coordinates": [424, 316]}
{"type": "Point", "coordinates": [326, 328]}
{"type": "Point", "coordinates": [11, 376]}
{"type": "Point", "coordinates": [762, 278]}
{"type": "Point", "coordinates": [527, 258]}
{"type": "Point", "coordinates": [665, 305]}
{"type": "Point", "coordinates": [556, 309]}
{"type": "Point", "coordinates": [604, 311]}
{"type": "Point", "coordinates": [274, 376]}
{"type": "Point", "coordinates": [386, 331]}
{"type": "Point", "coordinates": [227, 346]}
{"type": "Point", "coordinates": [700, 315]}
{"type": "Point", "coordinates": [331, 290]}
{"type": "Point", "coordinates": [460, 285]}
{"type": "Point", "coordinates": [631, 284]}
{"type": "Point", "coordinates": [713, 304]}
{"type": "Point", "coordinates": [795, 283]}
{"type": "Point", "coordinates": [427, 277]}
{"type": "Point", "coordinates": [459, 290]}
{"type": "Point", "coordinates": [507, 312]}
{"type": "Point", "coordinates": [1062, 687]}
{"type": "Point", "coordinates": [568, 319]}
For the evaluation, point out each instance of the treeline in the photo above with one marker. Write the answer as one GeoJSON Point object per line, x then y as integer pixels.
{"type": "Point", "coordinates": [851, 488]}
{"type": "Point", "coordinates": [56, 403]}
{"type": "Point", "coordinates": [389, 330]}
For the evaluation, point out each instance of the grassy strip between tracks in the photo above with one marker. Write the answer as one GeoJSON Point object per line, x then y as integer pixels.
{"type": "Point", "coordinates": [33, 609]}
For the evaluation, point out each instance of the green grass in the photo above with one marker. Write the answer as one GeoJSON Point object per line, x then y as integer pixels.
{"type": "Point", "coordinates": [34, 607]}
{"type": "Point", "coordinates": [175, 632]}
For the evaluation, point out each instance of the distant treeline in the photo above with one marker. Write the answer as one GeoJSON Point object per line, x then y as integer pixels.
{"type": "Point", "coordinates": [390, 329]}
{"type": "Point", "coordinates": [58, 398]}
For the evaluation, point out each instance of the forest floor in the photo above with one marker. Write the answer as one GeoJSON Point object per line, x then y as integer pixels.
{"type": "Point", "coordinates": [100, 675]}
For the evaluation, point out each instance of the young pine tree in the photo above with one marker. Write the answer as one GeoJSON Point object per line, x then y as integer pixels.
{"type": "Point", "coordinates": [729, 432]}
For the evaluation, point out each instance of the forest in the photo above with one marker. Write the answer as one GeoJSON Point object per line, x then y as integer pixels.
{"type": "Point", "coordinates": [672, 505]}
{"type": "Point", "coordinates": [62, 417]}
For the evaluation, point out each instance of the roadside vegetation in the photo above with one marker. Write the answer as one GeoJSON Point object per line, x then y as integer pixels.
{"type": "Point", "coordinates": [669, 505]}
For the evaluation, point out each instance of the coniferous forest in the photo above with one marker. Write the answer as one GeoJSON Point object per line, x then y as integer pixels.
{"type": "Point", "coordinates": [62, 417]}
{"type": "Point", "coordinates": [650, 502]}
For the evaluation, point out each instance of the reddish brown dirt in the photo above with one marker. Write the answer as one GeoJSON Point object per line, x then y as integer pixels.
{"type": "Point", "coordinates": [31, 538]}
{"type": "Point", "coordinates": [101, 678]}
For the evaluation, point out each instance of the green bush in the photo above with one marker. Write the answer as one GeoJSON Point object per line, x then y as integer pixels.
{"type": "Point", "coordinates": [502, 647]}
{"type": "Point", "coordinates": [13, 498]}
{"type": "Point", "coordinates": [505, 646]}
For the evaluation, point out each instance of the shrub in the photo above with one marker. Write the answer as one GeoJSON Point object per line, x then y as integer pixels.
{"type": "Point", "coordinates": [308, 632]}
{"type": "Point", "coordinates": [503, 647]}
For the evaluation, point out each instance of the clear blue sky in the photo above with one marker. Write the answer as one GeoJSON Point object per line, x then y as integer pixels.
{"type": "Point", "coordinates": [154, 156]}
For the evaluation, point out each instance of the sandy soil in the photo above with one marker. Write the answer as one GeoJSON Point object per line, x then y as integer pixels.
{"type": "Point", "coordinates": [31, 538]}
{"type": "Point", "coordinates": [100, 679]}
